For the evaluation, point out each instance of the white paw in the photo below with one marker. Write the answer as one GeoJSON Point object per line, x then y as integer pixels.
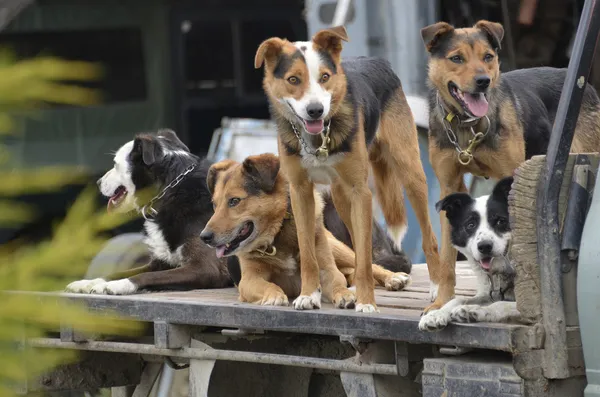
{"type": "Point", "coordinates": [397, 281]}
{"type": "Point", "coordinates": [366, 308]}
{"type": "Point", "coordinates": [83, 286]}
{"type": "Point", "coordinates": [433, 291]}
{"type": "Point", "coordinates": [117, 287]}
{"type": "Point", "coordinates": [275, 300]}
{"type": "Point", "coordinates": [308, 302]}
{"type": "Point", "coordinates": [467, 314]}
{"type": "Point", "coordinates": [434, 320]}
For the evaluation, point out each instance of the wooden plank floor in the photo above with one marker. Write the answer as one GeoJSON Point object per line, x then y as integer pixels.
{"type": "Point", "coordinates": [398, 318]}
{"type": "Point", "coordinates": [414, 298]}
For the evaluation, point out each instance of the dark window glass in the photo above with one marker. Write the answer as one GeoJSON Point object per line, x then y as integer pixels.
{"type": "Point", "coordinates": [120, 51]}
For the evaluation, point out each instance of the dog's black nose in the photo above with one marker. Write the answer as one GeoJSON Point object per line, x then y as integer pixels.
{"type": "Point", "coordinates": [482, 82]}
{"type": "Point", "coordinates": [207, 236]}
{"type": "Point", "coordinates": [485, 247]}
{"type": "Point", "coordinates": [314, 110]}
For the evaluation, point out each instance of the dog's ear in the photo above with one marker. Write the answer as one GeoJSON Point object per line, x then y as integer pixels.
{"type": "Point", "coordinates": [214, 171]}
{"type": "Point", "coordinates": [502, 189]}
{"type": "Point", "coordinates": [148, 148]}
{"type": "Point", "coordinates": [331, 39]}
{"type": "Point", "coordinates": [493, 30]}
{"type": "Point", "coordinates": [432, 34]}
{"type": "Point", "coordinates": [172, 136]}
{"type": "Point", "coordinates": [262, 171]}
{"type": "Point", "coordinates": [453, 203]}
{"type": "Point", "coordinates": [268, 51]}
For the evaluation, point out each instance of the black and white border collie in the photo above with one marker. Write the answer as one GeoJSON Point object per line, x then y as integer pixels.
{"type": "Point", "coordinates": [157, 176]}
{"type": "Point", "coordinates": [481, 232]}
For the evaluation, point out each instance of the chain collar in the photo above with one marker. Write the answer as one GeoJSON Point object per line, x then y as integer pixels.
{"type": "Point", "coordinates": [148, 211]}
{"type": "Point", "coordinates": [465, 156]}
{"type": "Point", "coordinates": [322, 152]}
{"type": "Point", "coordinates": [508, 276]}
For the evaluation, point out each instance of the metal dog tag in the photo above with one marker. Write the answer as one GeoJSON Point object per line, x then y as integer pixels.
{"type": "Point", "coordinates": [322, 154]}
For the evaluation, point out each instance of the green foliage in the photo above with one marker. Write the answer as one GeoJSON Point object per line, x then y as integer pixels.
{"type": "Point", "coordinates": [49, 266]}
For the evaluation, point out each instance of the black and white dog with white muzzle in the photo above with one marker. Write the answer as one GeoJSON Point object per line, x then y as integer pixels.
{"type": "Point", "coordinates": [481, 232]}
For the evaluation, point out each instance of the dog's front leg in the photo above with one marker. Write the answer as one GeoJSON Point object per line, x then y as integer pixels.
{"type": "Point", "coordinates": [354, 204]}
{"type": "Point", "coordinates": [255, 288]}
{"type": "Point", "coordinates": [87, 286]}
{"type": "Point", "coordinates": [335, 288]}
{"type": "Point", "coordinates": [437, 319]}
{"type": "Point", "coordinates": [450, 177]}
{"type": "Point", "coordinates": [497, 312]}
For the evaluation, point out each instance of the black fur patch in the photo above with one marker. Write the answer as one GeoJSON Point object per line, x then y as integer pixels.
{"type": "Point", "coordinates": [328, 61]}
{"type": "Point", "coordinates": [285, 63]}
{"type": "Point", "coordinates": [371, 82]}
{"type": "Point", "coordinates": [186, 207]}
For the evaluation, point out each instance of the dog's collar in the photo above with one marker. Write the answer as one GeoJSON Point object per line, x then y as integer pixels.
{"type": "Point", "coordinates": [271, 250]}
{"type": "Point", "coordinates": [465, 156]}
{"type": "Point", "coordinates": [322, 152]}
{"type": "Point", "coordinates": [450, 115]}
{"type": "Point", "coordinates": [148, 211]}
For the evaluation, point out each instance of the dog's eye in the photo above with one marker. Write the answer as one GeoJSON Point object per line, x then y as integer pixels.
{"type": "Point", "coordinates": [488, 57]}
{"type": "Point", "coordinates": [471, 225]}
{"type": "Point", "coordinates": [456, 59]}
{"type": "Point", "coordinates": [501, 222]}
{"type": "Point", "coordinates": [325, 77]}
{"type": "Point", "coordinates": [233, 202]}
{"type": "Point", "coordinates": [293, 80]}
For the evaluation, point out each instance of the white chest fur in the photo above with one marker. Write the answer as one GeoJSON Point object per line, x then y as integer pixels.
{"type": "Point", "coordinates": [155, 240]}
{"type": "Point", "coordinates": [320, 171]}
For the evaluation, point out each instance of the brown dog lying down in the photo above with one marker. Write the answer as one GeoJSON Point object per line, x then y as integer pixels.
{"type": "Point", "coordinates": [253, 221]}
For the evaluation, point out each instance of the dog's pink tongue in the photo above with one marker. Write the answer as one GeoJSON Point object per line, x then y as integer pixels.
{"type": "Point", "coordinates": [485, 263]}
{"type": "Point", "coordinates": [314, 126]}
{"type": "Point", "coordinates": [477, 104]}
{"type": "Point", "coordinates": [220, 251]}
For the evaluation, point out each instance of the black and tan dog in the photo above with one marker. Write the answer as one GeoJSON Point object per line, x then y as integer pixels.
{"type": "Point", "coordinates": [486, 124]}
{"type": "Point", "coordinates": [333, 118]}
{"type": "Point", "coordinates": [253, 221]}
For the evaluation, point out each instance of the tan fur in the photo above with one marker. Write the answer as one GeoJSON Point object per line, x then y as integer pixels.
{"type": "Point", "coordinates": [273, 279]}
{"type": "Point", "coordinates": [394, 157]}
{"type": "Point", "coordinates": [510, 148]}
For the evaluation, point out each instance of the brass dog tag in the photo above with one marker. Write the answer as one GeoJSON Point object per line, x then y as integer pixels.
{"type": "Point", "coordinates": [322, 153]}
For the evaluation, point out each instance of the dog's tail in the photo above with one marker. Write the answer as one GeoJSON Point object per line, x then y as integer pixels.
{"type": "Point", "coordinates": [395, 262]}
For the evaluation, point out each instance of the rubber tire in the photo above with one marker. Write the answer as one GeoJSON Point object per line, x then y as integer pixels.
{"type": "Point", "coordinates": [122, 252]}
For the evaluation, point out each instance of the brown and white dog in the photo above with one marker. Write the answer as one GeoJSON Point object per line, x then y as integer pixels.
{"type": "Point", "coordinates": [335, 117]}
{"type": "Point", "coordinates": [253, 221]}
{"type": "Point", "coordinates": [485, 123]}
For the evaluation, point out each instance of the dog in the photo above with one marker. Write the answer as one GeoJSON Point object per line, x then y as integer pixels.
{"type": "Point", "coordinates": [174, 218]}
{"type": "Point", "coordinates": [333, 118]}
{"type": "Point", "coordinates": [253, 221]}
{"type": "Point", "coordinates": [385, 251]}
{"type": "Point", "coordinates": [480, 230]}
{"type": "Point", "coordinates": [487, 124]}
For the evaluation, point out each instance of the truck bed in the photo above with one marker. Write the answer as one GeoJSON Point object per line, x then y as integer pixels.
{"type": "Point", "coordinates": [397, 320]}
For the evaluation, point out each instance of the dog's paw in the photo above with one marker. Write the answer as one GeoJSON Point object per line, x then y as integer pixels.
{"type": "Point", "coordinates": [83, 286]}
{"type": "Point", "coordinates": [433, 291]}
{"type": "Point", "coordinates": [366, 308]}
{"type": "Point", "coordinates": [344, 299]}
{"type": "Point", "coordinates": [117, 287]}
{"type": "Point", "coordinates": [468, 314]}
{"type": "Point", "coordinates": [397, 281]}
{"type": "Point", "coordinates": [308, 302]}
{"type": "Point", "coordinates": [434, 320]}
{"type": "Point", "coordinates": [274, 298]}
